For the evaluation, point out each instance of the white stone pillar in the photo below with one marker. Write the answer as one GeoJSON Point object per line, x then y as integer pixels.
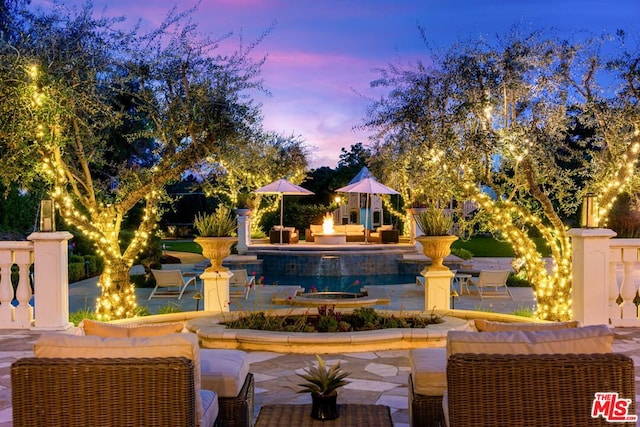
{"type": "Point", "coordinates": [590, 281]}
{"type": "Point", "coordinates": [216, 290]}
{"type": "Point", "coordinates": [244, 231]}
{"type": "Point", "coordinates": [437, 289]}
{"type": "Point", "coordinates": [51, 280]}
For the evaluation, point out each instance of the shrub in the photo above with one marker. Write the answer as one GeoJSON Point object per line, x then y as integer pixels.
{"type": "Point", "coordinates": [76, 271]}
{"type": "Point", "coordinates": [143, 280]}
{"type": "Point", "coordinates": [170, 308]}
{"type": "Point", "coordinates": [76, 258]}
{"type": "Point", "coordinates": [516, 281]}
{"type": "Point", "coordinates": [77, 316]}
{"type": "Point", "coordinates": [96, 264]}
{"type": "Point", "coordinates": [461, 253]}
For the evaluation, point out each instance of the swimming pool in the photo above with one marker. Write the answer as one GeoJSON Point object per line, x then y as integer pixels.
{"type": "Point", "coordinates": [339, 283]}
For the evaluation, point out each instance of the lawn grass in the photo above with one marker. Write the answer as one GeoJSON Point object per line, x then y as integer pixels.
{"type": "Point", "coordinates": [182, 246]}
{"type": "Point", "coordinates": [483, 246]}
{"type": "Point", "coordinates": [479, 246]}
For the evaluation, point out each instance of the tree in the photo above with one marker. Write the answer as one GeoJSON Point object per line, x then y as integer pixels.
{"type": "Point", "coordinates": [266, 157]}
{"type": "Point", "coordinates": [78, 82]}
{"type": "Point", "coordinates": [499, 124]}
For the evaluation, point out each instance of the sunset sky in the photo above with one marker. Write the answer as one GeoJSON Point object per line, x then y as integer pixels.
{"type": "Point", "coordinates": [322, 54]}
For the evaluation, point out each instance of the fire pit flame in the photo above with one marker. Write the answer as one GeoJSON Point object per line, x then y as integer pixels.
{"type": "Point", "coordinates": [327, 224]}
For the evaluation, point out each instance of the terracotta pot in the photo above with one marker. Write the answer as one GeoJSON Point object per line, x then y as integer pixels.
{"type": "Point", "coordinates": [436, 248]}
{"type": "Point", "coordinates": [324, 407]}
{"type": "Point", "coordinates": [216, 249]}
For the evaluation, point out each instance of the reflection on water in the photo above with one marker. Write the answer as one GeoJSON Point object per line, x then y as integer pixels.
{"type": "Point", "coordinates": [339, 283]}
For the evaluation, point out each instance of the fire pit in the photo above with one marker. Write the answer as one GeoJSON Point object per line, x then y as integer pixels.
{"type": "Point", "coordinates": [328, 235]}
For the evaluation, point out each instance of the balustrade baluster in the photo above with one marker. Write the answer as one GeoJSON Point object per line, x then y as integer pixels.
{"type": "Point", "coordinates": [24, 311]}
{"type": "Point", "coordinates": [628, 287]}
{"type": "Point", "coordinates": [615, 259]}
{"type": "Point", "coordinates": [6, 290]}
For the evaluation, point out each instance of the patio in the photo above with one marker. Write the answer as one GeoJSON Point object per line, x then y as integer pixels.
{"type": "Point", "coordinates": [377, 377]}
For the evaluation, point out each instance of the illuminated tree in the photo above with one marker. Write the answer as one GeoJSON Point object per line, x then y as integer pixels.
{"type": "Point", "coordinates": [265, 158]}
{"type": "Point", "coordinates": [523, 129]}
{"type": "Point", "coordinates": [109, 116]}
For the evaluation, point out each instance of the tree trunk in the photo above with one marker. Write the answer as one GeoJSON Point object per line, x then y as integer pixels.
{"type": "Point", "coordinates": [118, 300]}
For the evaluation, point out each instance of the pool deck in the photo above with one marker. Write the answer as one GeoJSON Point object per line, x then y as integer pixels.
{"type": "Point", "coordinates": [377, 377]}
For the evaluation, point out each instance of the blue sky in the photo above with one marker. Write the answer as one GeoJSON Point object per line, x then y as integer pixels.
{"type": "Point", "coordinates": [322, 53]}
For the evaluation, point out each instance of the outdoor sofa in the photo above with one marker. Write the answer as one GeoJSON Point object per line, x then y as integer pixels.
{"type": "Point", "coordinates": [513, 373]}
{"type": "Point", "coordinates": [353, 232]}
{"type": "Point", "coordinates": [216, 373]}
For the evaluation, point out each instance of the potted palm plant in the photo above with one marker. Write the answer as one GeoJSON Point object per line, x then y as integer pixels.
{"type": "Point", "coordinates": [436, 240]}
{"type": "Point", "coordinates": [216, 235]}
{"type": "Point", "coordinates": [323, 383]}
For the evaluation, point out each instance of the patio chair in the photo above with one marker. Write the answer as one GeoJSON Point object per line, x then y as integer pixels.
{"type": "Point", "coordinates": [169, 279]}
{"type": "Point", "coordinates": [240, 284]}
{"type": "Point", "coordinates": [496, 279]}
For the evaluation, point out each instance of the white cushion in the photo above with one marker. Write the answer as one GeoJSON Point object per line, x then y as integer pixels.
{"type": "Point", "coordinates": [315, 228]}
{"type": "Point", "coordinates": [90, 346]}
{"type": "Point", "coordinates": [223, 371]}
{"type": "Point", "coordinates": [587, 339]}
{"type": "Point", "coordinates": [429, 371]}
{"type": "Point", "coordinates": [210, 406]}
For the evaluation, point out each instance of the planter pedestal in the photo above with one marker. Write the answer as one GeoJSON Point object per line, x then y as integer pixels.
{"type": "Point", "coordinates": [437, 276]}
{"type": "Point", "coordinates": [437, 289]}
{"type": "Point", "coordinates": [216, 290]}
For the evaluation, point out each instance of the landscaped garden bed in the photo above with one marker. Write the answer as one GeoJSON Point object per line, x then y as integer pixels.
{"type": "Point", "coordinates": [328, 320]}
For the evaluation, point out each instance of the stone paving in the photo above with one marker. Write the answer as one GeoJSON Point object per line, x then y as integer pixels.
{"type": "Point", "coordinates": [378, 377]}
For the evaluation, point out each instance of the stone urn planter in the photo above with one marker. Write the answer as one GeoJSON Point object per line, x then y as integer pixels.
{"type": "Point", "coordinates": [216, 236]}
{"type": "Point", "coordinates": [216, 249]}
{"type": "Point", "coordinates": [436, 248]}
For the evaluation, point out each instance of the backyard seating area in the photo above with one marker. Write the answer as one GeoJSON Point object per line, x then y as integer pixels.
{"type": "Point", "coordinates": [377, 378]}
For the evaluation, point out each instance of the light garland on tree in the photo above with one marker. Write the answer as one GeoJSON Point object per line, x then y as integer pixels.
{"type": "Point", "coordinates": [552, 291]}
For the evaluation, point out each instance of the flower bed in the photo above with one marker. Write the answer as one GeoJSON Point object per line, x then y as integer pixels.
{"type": "Point", "coordinates": [329, 320]}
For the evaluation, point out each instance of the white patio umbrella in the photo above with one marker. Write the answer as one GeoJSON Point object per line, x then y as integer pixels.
{"type": "Point", "coordinates": [367, 186]}
{"type": "Point", "coordinates": [282, 187]}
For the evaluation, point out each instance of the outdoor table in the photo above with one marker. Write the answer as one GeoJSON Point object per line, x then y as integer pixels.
{"type": "Point", "coordinates": [461, 279]}
{"type": "Point", "coordinates": [300, 416]}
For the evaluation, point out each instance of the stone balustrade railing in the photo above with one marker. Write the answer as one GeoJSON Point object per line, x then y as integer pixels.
{"type": "Point", "coordinates": [21, 255]}
{"type": "Point", "coordinates": [48, 253]}
{"type": "Point", "coordinates": [623, 281]}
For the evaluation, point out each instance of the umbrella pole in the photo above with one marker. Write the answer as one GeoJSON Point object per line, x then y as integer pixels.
{"type": "Point", "coordinates": [366, 219]}
{"type": "Point", "coordinates": [281, 214]}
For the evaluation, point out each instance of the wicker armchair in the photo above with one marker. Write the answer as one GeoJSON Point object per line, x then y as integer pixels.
{"type": "Point", "coordinates": [534, 390]}
{"type": "Point", "coordinates": [103, 392]}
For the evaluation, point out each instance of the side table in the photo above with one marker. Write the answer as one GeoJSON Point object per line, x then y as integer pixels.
{"type": "Point", "coordinates": [461, 279]}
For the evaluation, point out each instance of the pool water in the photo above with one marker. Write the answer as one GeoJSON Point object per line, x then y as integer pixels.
{"type": "Point", "coordinates": [339, 283]}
